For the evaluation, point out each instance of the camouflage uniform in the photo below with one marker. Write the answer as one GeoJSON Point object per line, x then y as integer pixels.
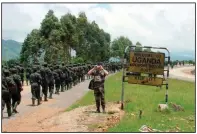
{"type": "Point", "coordinates": [12, 87]}
{"type": "Point", "coordinates": [45, 80]}
{"type": "Point", "coordinates": [99, 79]}
{"type": "Point", "coordinates": [17, 80]}
{"type": "Point", "coordinates": [67, 78]}
{"type": "Point", "coordinates": [6, 97]}
{"type": "Point", "coordinates": [51, 83]}
{"type": "Point", "coordinates": [56, 74]}
{"type": "Point", "coordinates": [62, 78]}
{"type": "Point", "coordinates": [35, 81]}
{"type": "Point", "coordinates": [28, 73]}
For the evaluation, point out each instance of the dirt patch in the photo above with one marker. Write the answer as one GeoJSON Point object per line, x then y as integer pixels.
{"type": "Point", "coordinates": [190, 72]}
{"type": "Point", "coordinates": [30, 122]}
{"type": "Point", "coordinates": [82, 119]}
{"type": "Point", "coordinates": [193, 72]}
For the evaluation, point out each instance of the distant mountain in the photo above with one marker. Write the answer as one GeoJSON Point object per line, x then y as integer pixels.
{"type": "Point", "coordinates": [185, 55]}
{"type": "Point", "coordinates": [10, 49]}
{"type": "Point", "coordinates": [180, 55]}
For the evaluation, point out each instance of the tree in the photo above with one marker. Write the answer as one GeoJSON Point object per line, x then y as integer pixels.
{"type": "Point", "coordinates": [119, 44]}
{"type": "Point", "coordinates": [70, 39]}
{"type": "Point", "coordinates": [138, 47]}
{"type": "Point", "coordinates": [82, 28]}
{"type": "Point", "coordinates": [49, 27]}
{"type": "Point", "coordinates": [147, 50]}
{"type": "Point", "coordinates": [31, 47]}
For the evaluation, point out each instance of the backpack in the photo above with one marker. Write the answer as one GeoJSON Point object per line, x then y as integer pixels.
{"type": "Point", "coordinates": [91, 85]}
{"type": "Point", "coordinates": [11, 85]}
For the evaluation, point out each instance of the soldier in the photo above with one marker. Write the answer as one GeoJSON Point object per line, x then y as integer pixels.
{"type": "Point", "coordinates": [44, 71]}
{"type": "Point", "coordinates": [69, 78]}
{"type": "Point", "coordinates": [21, 73]}
{"type": "Point", "coordinates": [62, 78]}
{"type": "Point", "coordinates": [78, 74]}
{"type": "Point", "coordinates": [35, 81]}
{"type": "Point", "coordinates": [51, 83]}
{"type": "Point", "coordinates": [56, 74]}
{"type": "Point", "coordinates": [83, 73]}
{"type": "Point", "coordinates": [28, 73]}
{"type": "Point", "coordinates": [6, 97]}
{"type": "Point", "coordinates": [17, 80]}
{"type": "Point", "coordinates": [99, 78]}
{"type": "Point", "coordinates": [12, 87]}
{"type": "Point", "coordinates": [74, 76]}
{"type": "Point", "coordinates": [66, 78]}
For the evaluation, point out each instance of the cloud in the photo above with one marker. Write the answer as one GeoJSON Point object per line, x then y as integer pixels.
{"type": "Point", "coordinates": [166, 25]}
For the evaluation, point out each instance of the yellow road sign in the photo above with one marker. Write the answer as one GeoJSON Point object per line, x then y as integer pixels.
{"type": "Point", "coordinates": [144, 80]}
{"type": "Point", "coordinates": [147, 62]}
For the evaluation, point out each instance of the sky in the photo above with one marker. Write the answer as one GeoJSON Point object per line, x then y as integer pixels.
{"type": "Point", "coordinates": [164, 25]}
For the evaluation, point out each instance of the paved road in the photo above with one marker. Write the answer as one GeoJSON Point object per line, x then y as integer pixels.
{"type": "Point", "coordinates": [27, 112]}
{"type": "Point", "coordinates": [180, 73]}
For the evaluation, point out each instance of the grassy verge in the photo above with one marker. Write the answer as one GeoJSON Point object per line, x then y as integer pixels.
{"type": "Point", "coordinates": [147, 98]}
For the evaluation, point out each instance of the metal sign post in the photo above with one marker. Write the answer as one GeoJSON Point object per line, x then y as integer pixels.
{"type": "Point", "coordinates": [149, 64]}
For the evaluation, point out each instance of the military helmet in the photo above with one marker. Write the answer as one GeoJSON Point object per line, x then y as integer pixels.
{"type": "Point", "coordinates": [35, 68]}
{"type": "Point", "coordinates": [57, 66]}
{"type": "Point", "coordinates": [45, 64]}
{"type": "Point", "coordinates": [6, 72]}
{"type": "Point", "coordinates": [13, 70]}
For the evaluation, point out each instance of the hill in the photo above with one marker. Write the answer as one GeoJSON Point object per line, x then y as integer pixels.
{"type": "Point", "coordinates": [10, 49]}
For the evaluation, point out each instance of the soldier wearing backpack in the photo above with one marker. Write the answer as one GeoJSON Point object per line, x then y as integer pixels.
{"type": "Point", "coordinates": [28, 73]}
{"type": "Point", "coordinates": [56, 74]}
{"type": "Point", "coordinates": [51, 82]}
{"type": "Point", "coordinates": [62, 78]}
{"type": "Point", "coordinates": [12, 89]}
{"type": "Point", "coordinates": [44, 71]}
{"type": "Point", "coordinates": [21, 74]}
{"type": "Point", "coordinates": [17, 80]}
{"type": "Point", "coordinates": [6, 97]}
{"type": "Point", "coordinates": [35, 81]}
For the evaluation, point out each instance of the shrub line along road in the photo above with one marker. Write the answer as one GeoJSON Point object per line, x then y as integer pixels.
{"type": "Point", "coordinates": [65, 99]}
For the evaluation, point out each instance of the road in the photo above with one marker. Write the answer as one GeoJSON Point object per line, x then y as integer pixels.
{"type": "Point", "coordinates": [29, 117]}
{"type": "Point", "coordinates": [183, 73]}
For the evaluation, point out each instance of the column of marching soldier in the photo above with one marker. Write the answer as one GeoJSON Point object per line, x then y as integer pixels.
{"type": "Point", "coordinates": [45, 80]}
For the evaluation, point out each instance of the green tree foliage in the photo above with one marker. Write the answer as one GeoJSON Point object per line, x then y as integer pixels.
{"type": "Point", "coordinates": [118, 46]}
{"type": "Point", "coordinates": [138, 47]}
{"type": "Point", "coordinates": [50, 32]}
{"type": "Point", "coordinates": [147, 50]}
{"type": "Point", "coordinates": [12, 62]}
{"type": "Point", "coordinates": [55, 38]}
{"type": "Point", "coordinates": [31, 47]}
{"type": "Point", "coordinates": [70, 38]}
{"type": "Point", "coordinates": [77, 60]}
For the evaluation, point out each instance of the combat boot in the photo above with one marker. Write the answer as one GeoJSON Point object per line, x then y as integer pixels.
{"type": "Point", "coordinates": [57, 91]}
{"type": "Point", "coordinates": [14, 108]}
{"type": "Point", "coordinates": [45, 98]}
{"type": "Point", "coordinates": [38, 102]}
{"type": "Point", "coordinates": [98, 110]}
{"type": "Point", "coordinates": [33, 102]}
{"type": "Point", "coordinates": [103, 107]}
